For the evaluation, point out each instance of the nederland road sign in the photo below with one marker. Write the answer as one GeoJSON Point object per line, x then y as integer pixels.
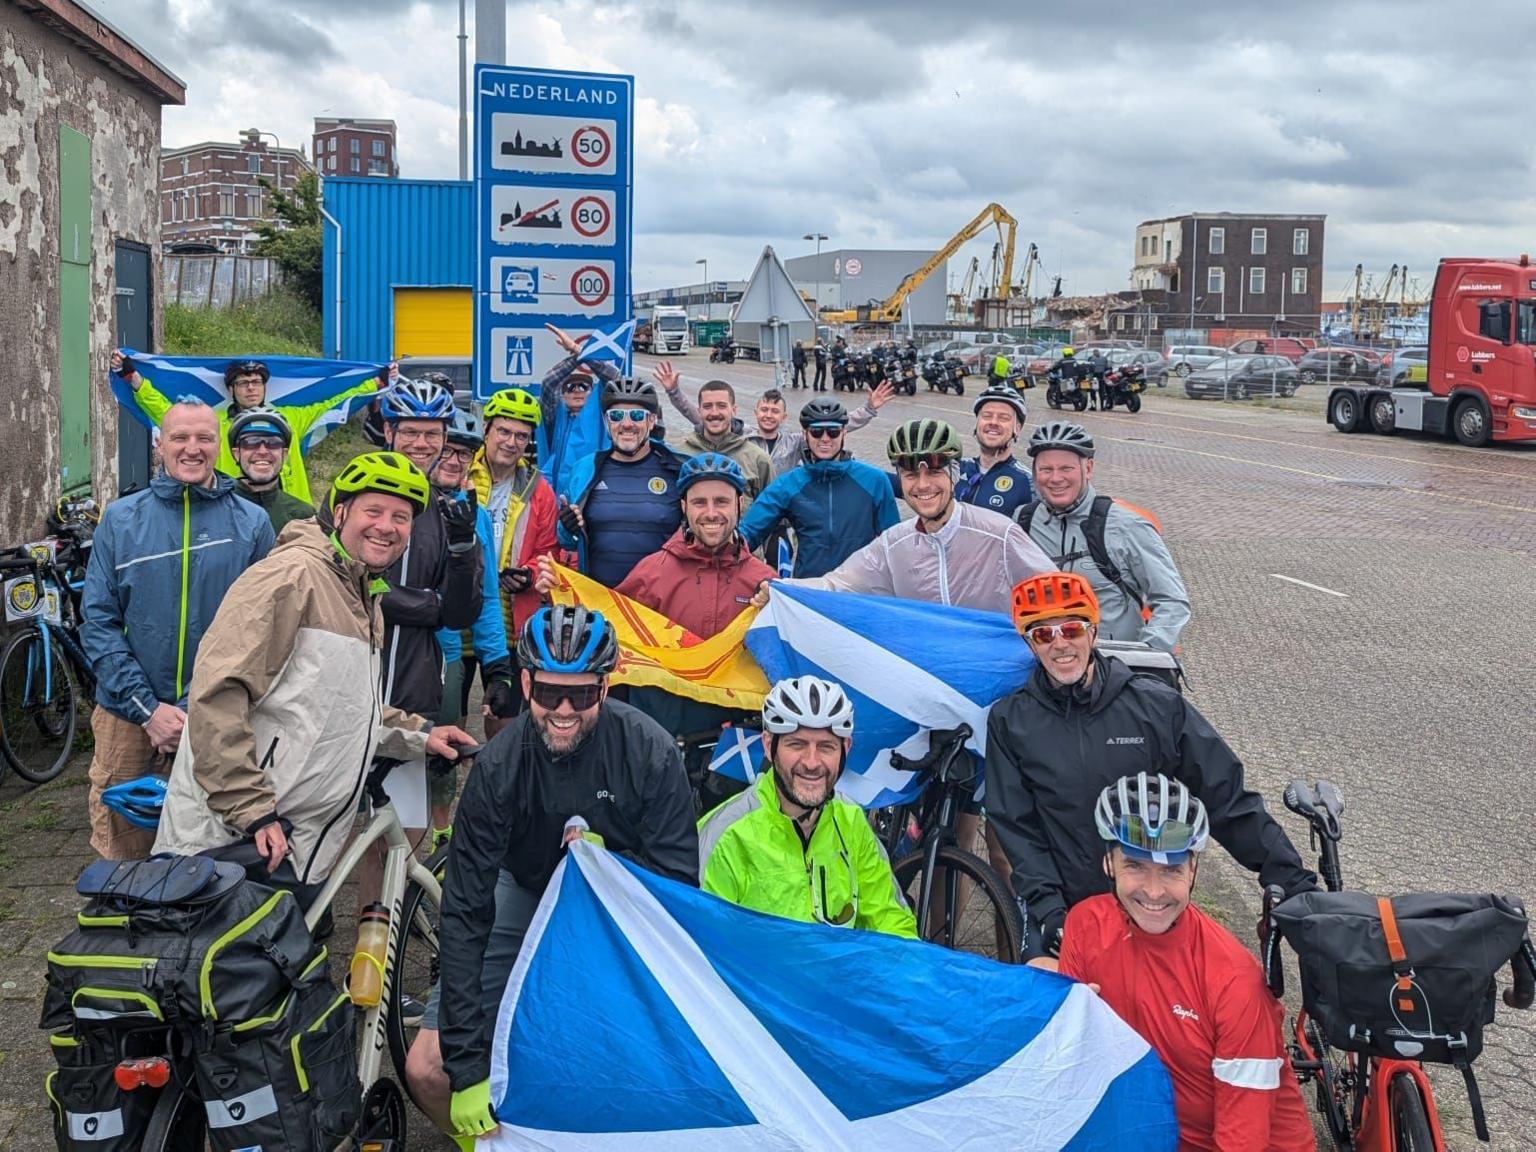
{"type": "Point", "coordinates": [554, 177]}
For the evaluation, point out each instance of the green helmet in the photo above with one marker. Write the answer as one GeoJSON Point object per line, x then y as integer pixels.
{"type": "Point", "coordinates": [386, 472]}
{"type": "Point", "coordinates": [924, 438]}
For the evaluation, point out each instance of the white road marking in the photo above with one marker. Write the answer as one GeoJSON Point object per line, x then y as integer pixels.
{"type": "Point", "coordinates": [1314, 587]}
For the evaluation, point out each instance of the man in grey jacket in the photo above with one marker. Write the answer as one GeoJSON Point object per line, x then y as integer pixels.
{"type": "Point", "coordinates": [161, 561]}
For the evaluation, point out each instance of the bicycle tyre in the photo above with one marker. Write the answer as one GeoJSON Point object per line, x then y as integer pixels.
{"type": "Point", "coordinates": [36, 734]}
{"type": "Point", "coordinates": [177, 1124]}
{"type": "Point", "coordinates": [1005, 945]}
{"type": "Point", "coordinates": [1410, 1122]}
{"type": "Point", "coordinates": [416, 966]}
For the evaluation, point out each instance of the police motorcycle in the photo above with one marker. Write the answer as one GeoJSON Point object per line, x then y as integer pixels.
{"type": "Point", "coordinates": [944, 374]}
{"type": "Point", "coordinates": [1064, 385]}
{"type": "Point", "coordinates": [1123, 385]}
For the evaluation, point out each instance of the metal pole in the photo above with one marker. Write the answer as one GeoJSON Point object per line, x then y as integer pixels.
{"type": "Point", "coordinates": [491, 31]}
{"type": "Point", "coordinates": [1194, 257]}
{"type": "Point", "coordinates": [463, 94]}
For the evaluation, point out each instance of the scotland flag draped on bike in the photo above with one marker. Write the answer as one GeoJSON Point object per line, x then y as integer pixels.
{"type": "Point", "coordinates": [690, 1023]}
{"type": "Point", "coordinates": [908, 666]}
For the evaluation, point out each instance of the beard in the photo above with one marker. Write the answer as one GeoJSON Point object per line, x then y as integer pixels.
{"type": "Point", "coordinates": [563, 742]}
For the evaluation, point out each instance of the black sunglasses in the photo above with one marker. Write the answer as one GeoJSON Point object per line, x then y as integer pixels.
{"type": "Point", "coordinates": [822, 432]}
{"type": "Point", "coordinates": [582, 696]}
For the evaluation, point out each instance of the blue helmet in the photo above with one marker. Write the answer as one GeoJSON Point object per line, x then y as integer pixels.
{"type": "Point", "coordinates": [567, 638]}
{"type": "Point", "coordinates": [416, 400]}
{"type": "Point", "coordinates": [711, 466]}
{"type": "Point", "coordinates": [137, 801]}
{"type": "Point", "coordinates": [464, 430]}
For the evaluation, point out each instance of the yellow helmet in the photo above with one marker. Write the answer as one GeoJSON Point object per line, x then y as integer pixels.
{"type": "Point", "coordinates": [386, 472]}
{"type": "Point", "coordinates": [1066, 352]}
{"type": "Point", "coordinates": [514, 404]}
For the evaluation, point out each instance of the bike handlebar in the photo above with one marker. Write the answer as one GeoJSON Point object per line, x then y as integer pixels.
{"type": "Point", "coordinates": [941, 742]}
{"type": "Point", "coordinates": [1522, 966]}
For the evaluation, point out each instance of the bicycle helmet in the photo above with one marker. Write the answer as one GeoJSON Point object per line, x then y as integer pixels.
{"type": "Point", "coordinates": [513, 404]}
{"type": "Point", "coordinates": [1061, 434]}
{"type": "Point", "coordinates": [262, 420]}
{"type": "Point", "coordinates": [437, 380]}
{"type": "Point", "coordinates": [387, 472]}
{"type": "Point", "coordinates": [806, 702]}
{"type": "Point", "coordinates": [237, 368]}
{"type": "Point", "coordinates": [823, 412]}
{"type": "Point", "coordinates": [137, 801]}
{"type": "Point", "coordinates": [567, 638]}
{"type": "Point", "coordinates": [1067, 353]}
{"type": "Point", "coordinates": [924, 438]}
{"type": "Point", "coordinates": [464, 431]}
{"type": "Point", "coordinates": [416, 400]}
{"type": "Point", "coordinates": [710, 466]}
{"type": "Point", "coordinates": [640, 393]}
{"type": "Point", "coordinates": [1002, 394]}
{"type": "Point", "coordinates": [1152, 818]}
{"type": "Point", "coordinates": [1053, 594]}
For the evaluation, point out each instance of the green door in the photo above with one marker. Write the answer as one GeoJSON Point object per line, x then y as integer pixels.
{"type": "Point", "coordinates": [74, 338]}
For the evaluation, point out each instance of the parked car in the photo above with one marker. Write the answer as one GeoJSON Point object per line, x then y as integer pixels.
{"type": "Point", "coordinates": [1186, 358]}
{"type": "Point", "coordinates": [1041, 363]}
{"type": "Point", "coordinates": [1238, 377]}
{"type": "Point", "coordinates": [1108, 345]}
{"type": "Point", "coordinates": [1403, 366]}
{"type": "Point", "coordinates": [1330, 364]}
{"type": "Point", "coordinates": [943, 348]}
{"type": "Point", "coordinates": [978, 359]}
{"type": "Point", "coordinates": [1293, 348]}
{"type": "Point", "coordinates": [1152, 363]}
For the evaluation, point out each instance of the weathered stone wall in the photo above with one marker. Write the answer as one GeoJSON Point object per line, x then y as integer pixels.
{"type": "Point", "coordinates": [46, 80]}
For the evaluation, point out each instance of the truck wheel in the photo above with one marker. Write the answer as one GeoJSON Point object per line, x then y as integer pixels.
{"type": "Point", "coordinates": [1473, 428]}
{"type": "Point", "coordinates": [1344, 412]}
{"type": "Point", "coordinates": [1383, 415]}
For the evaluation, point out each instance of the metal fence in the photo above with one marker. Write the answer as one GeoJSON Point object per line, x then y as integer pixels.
{"type": "Point", "coordinates": [218, 281]}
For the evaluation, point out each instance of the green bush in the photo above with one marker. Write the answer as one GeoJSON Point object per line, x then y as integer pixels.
{"type": "Point", "coordinates": [277, 325]}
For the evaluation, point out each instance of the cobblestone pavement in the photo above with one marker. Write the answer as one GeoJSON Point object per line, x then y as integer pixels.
{"type": "Point", "coordinates": [1399, 667]}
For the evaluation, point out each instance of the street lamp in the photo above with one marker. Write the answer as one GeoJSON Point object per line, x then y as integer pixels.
{"type": "Point", "coordinates": [818, 237]}
{"type": "Point", "coordinates": [706, 286]}
{"type": "Point", "coordinates": [255, 134]}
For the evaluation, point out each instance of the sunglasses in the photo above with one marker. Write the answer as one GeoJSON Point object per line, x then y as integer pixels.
{"type": "Point", "coordinates": [633, 415]}
{"type": "Point", "coordinates": [577, 386]}
{"type": "Point", "coordinates": [824, 432]}
{"type": "Point", "coordinates": [270, 443]}
{"type": "Point", "coordinates": [933, 462]}
{"type": "Point", "coordinates": [582, 696]}
{"type": "Point", "coordinates": [1070, 630]}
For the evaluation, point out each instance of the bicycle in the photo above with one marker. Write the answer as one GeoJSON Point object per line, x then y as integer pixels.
{"type": "Point", "coordinates": [1368, 1103]}
{"type": "Point", "coordinates": [960, 901]}
{"type": "Point", "coordinates": [412, 891]}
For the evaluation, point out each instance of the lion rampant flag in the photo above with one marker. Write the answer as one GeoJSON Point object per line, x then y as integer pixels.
{"type": "Point", "coordinates": [656, 653]}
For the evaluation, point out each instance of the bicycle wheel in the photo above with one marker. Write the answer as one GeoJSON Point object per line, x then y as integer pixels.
{"type": "Point", "coordinates": [1410, 1123]}
{"type": "Point", "coordinates": [975, 912]}
{"type": "Point", "coordinates": [178, 1123]}
{"type": "Point", "coordinates": [416, 967]}
{"type": "Point", "coordinates": [37, 706]}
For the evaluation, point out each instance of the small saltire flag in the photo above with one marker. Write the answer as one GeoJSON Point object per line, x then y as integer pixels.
{"type": "Point", "coordinates": [568, 443]}
{"type": "Point", "coordinates": [656, 653]}
{"type": "Point", "coordinates": [739, 755]}
{"type": "Point", "coordinates": [786, 562]}
{"type": "Point", "coordinates": [643, 1014]}
{"type": "Point", "coordinates": [908, 666]}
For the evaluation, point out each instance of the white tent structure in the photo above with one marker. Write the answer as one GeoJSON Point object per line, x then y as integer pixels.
{"type": "Point", "coordinates": [771, 315]}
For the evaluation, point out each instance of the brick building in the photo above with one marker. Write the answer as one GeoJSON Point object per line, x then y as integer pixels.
{"type": "Point", "coordinates": [1229, 271]}
{"type": "Point", "coordinates": [211, 193]}
{"type": "Point", "coordinates": [347, 147]}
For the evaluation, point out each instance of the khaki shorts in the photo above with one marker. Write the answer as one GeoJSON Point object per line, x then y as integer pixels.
{"type": "Point", "coordinates": [123, 752]}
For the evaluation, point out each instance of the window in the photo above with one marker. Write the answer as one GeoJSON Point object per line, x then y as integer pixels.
{"type": "Point", "coordinates": [330, 164]}
{"type": "Point", "coordinates": [355, 146]}
{"type": "Point", "coordinates": [378, 168]}
{"type": "Point", "coordinates": [226, 200]}
{"type": "Point", "coordinates": [1218, 243]}
{"type": "Point", "coordinates": [1299, 242]}
{"type": "Point", "coordinates": [378, 148]}
{"type": "Point", "coordinates": [357, 165]}
{"type": "Point", "coordinates": [1299, 280]}
{"type": "Point", "coordinates": [1493, 320]}
{"type": "Point", "coordinates": [1256, 281]}
{"type": "Point", "coordinates": [1168, 251]}
{"type": "Point", "coordinates": [1215, 281]}
{"type": "Point", "coordinates": [1260, 241]}
{"type": "Point", "coordinates": [253, 163]}
{"type": "Point", "coordinates": [1120, 322]}
{"type": "Point", "coordinates": [183, 165]}
{"type": "Point", "coordinates": [253, 203]}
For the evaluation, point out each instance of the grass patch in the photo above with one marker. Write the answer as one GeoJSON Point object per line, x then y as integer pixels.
{"type": "Point", "coordinates": [43, 820]}
{"type": "Point", "coordinates": [277, 325]}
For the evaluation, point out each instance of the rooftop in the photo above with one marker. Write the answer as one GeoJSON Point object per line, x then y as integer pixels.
{"type": "Point", "coordinates": [78, 22]}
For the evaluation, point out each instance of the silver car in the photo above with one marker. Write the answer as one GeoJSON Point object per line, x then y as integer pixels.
{"type": "Point", "coordinates": [1186, 358]}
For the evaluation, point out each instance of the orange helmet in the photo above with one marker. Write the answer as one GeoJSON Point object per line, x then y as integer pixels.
{"type": "Point", "coordinates": [1053, 594]}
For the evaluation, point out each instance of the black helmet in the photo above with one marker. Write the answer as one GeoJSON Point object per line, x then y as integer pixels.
{"type": "Point", "coordinates": [1061, 434]}
{"type": "Point", "coordinates": [823, 412]}
{"type": "Point", "coordinates": [641, 393]}
{"type": "Point", "coordinates": [567, 638]}
{"type": "Point", "coordinates": [237, 368]}
{"type": "Point", "coordinates": [1003, 394]}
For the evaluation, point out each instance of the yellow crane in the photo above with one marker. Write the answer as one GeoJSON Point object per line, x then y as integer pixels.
{"type": "Point", "coordinates": [1031, 261]}
{"type": "Point", "coordinates": [888, 311]}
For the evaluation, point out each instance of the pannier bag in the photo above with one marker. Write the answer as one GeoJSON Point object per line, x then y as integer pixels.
{"type": "Point", "coordinates": [181, 954]}
{"type": "Point", "coordinates": [1406, 977]}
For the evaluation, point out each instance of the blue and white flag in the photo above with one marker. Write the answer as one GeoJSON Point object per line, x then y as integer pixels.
{"type": "Point", "coordinates": [610, 344]}
{"type": "Point", "coordinates": [786, 564]}
{"type": "Point", "coordinates": [296, 382]}
{"type": "Point", "coordinates": [646, 1016]}
{"type": "Point", "coordinates": [908, 666]}
{"type": "Point", "coordinates": [567, 444]}
{"type": "Point", "coordinates": [739, 754]}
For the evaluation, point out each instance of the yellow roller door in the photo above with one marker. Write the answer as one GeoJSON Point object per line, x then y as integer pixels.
{"type": "Point", "coordinates": [434, 322]}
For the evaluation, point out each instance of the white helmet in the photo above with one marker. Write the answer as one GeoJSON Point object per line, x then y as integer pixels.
{"type": "Point", "coordinates": [806, 702]}
{"type": "Point", "coordinates": [1152, 817]}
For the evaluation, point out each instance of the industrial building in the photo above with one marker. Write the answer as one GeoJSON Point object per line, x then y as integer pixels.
{"type": "Point", "coordinates": [846, 278]}
{"type": "Point", "coordinates": [711, 300]}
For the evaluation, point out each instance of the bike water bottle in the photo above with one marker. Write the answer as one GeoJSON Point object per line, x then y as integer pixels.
{"type": "Point", "coordinates": [365, 982]}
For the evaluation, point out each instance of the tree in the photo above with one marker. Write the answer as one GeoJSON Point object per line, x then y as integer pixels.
{"type": "Point", "coordinates": [292, 235]}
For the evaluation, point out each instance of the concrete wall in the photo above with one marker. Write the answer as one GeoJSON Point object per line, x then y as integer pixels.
{"type": "Point", "coordinates": [46, 81]}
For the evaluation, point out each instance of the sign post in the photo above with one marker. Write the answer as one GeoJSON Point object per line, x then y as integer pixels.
{"type": "Point", "coordinates": [554, 177]}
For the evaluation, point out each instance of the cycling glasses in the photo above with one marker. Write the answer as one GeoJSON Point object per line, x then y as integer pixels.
{"type": "Point", "coordinates": [633, 415]}
{"type": "Point", "coordinates": [582, 696]}
{"type": "Point", "coordinates": [270, 443]}
{"type": "Point", "coordinates": [1171, 837]}
{"type": "Point", "coordinates": [824, 431]}
{"type": "Point", "coordinates": [578, 386]}
{"type": "Point", "coordinates": [932, 461]}
{"type": "Point", "coordinates": [1067, 630]}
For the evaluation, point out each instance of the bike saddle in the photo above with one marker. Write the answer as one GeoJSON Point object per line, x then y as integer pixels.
{"type": "Point", "coordinates": [1321, 806]}
{"type": "Point", "coordinates": [159, 880]}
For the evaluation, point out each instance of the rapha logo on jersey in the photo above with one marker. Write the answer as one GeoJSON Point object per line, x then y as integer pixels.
{"type": "Point", "coordinates": [1126, 740]}
{"type": "Point", "coordinates": [1184, 1013]}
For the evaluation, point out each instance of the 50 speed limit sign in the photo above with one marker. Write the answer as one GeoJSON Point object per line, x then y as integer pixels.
{"type": "Point", "coordinates": [591, 146]}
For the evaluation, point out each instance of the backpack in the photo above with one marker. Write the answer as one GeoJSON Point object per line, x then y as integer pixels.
{"type": "Point", "coordinates": [1093, 536]}
{"type": "Point", "coordinates": [1404, 977]}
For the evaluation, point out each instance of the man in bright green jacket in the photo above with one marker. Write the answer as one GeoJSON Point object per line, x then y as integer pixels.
{"type": "Point", "coordinates": [246, 382]}
{"type": "Point", "coordinates": [788, 846]}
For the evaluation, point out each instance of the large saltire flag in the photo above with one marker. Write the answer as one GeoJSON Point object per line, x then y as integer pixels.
{"type": "Point", "coordinates": [296, 382]}
{"type": "Point", "coordinates": [569, 440]}
{"type": "Point", "coordinates": [656, 653]}
{"type": "Point", "coordinates": [646, 1016]}
{"type": "Point", "coordinates": [908, 666]}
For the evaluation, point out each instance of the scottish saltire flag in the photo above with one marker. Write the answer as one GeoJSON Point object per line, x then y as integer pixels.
{"type": "Point", "coordinates": [786, 560]}
{"type": "Point", "coordinates": [646, 1016]}
{"type": "Point", "coordinates": [567, 444]}
{"type": "Point", "coordinates": [611, 344]}
{"type": "Point", "coordinates": [908, 666]}
{"type": "Point", "coordinates": [739, 754]}
{"type": "Point", "coordinates": [298, 383]}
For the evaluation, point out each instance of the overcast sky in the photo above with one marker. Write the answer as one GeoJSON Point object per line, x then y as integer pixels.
{"type": "Point", "coordinates": [891, 124]}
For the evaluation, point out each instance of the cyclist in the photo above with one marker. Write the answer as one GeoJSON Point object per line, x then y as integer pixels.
{"type": "Point", "coordinates": [563, 393]}
{"type": "Point", "coordinates": [1082, 721]}
{"type": "Point", "coordinates": [789, 846]}
{"type": "Point", "coordinates": [716, 427]}
{"type": "Point", "coordinates": [1181, 980]}
{"type": "Point", "coordinates": [574, 752]}
{"type": "Point", "coordinates": [246, 383]}
{"type": "Point", "coordinates": [834, 503]}
{"type": "Point", "coordinates": [1120, 552]}
{"type": "Point", "coordinates": [994, 478]}
{"type": "Point", "coordinates": [627, 502]}
{"type": "Point", "coordinates": [259, 439]}
{"type": "Point", "coordinates": [786, 449]}
{"type": "Point", "coordinates": [284, 711]}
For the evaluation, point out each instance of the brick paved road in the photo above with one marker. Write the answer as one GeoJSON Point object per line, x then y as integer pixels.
{"type": "Point", "coordinates": [1410, 688]}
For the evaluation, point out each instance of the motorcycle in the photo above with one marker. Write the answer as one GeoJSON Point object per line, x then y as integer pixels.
{"type": "Point", "coordinates": [1065, 387]}
{"type": "Point", "coordinates": [846, 371]}
{"type": "Point", "coordinates": [724, 352]}
{"type": "Point", "coordinates": [943, 374]}
{"type": "Point", "coordinates": [1123, 386]}
{"type": "Point", "coordinates": [904, 370]}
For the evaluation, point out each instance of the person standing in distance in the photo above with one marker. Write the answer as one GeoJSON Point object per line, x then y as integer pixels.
{"type": "Point", "coordinates": [994, 478]}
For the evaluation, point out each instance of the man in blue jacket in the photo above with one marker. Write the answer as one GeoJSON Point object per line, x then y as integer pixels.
{"type": "Point", "coordinates": [834, 503]}
{"type": "Point", "coordinates": [160, 564]}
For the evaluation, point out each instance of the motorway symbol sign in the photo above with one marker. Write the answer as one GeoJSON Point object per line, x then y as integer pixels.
{"type": "Point", "coordinates": [519, 355]}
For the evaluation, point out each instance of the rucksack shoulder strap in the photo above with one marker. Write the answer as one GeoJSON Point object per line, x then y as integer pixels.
{"type": "Point", "coordinates": [1024, 515]}
{"type": "Point", "coordinates": [1093, 535]}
